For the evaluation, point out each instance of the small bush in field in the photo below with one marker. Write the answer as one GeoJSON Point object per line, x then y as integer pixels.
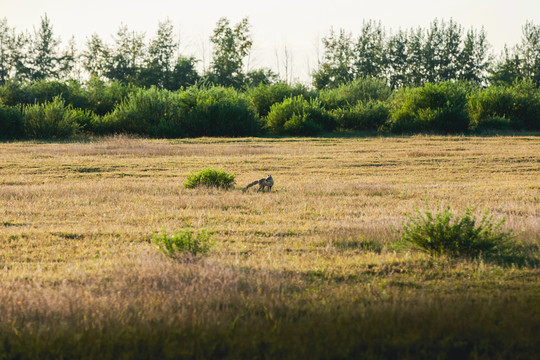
{"type": "Point", "coordinates": [443, 233]}
{"type": "Point", "coordinates": [50, 120]}
{"type": "Point", "coordinates": [183, 242]}
{"type": "Point", "coordinates": [210, 178]}
{"type": "Point", "coordinates": [11, 123]}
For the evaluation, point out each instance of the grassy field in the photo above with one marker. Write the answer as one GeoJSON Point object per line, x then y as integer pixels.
{"type": "Point", "coordinates": [313, 269]}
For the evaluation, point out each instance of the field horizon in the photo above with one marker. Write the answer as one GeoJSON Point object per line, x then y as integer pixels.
{"type": "Point", "coordinates": [313, 269]}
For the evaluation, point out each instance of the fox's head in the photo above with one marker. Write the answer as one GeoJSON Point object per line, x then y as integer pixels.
{"type": "Point", "coordinates": [269, 177]}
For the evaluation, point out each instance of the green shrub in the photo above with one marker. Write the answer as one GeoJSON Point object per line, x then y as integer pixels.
{"type": "Point", "coordinates": [297, 116]}
{"type": "Point", "coordinates": [520, 104]}
{"type": "Point", "coordinates": [13, 93]}
{"type": "Point", "coordinates": [444, 233]}
{"type": "Point", "coordinates": [368, 115]}
{"type": "Point", "coordinates": [146, 112]}
{"type": "Point", "coordinates": [493, 123]}
{"type": "Point", "coordinates": [11, 123]}
{"type": "Point", "coordinates": [183, 242]}
{"type": "Point", "coordinates": [102, 98]}
{"type": "Point", "coordinates": [219, 111]}
{"type": "Point", "coordinates": [216, 111]}
{"type": "Point", "coordinates": [85, 119]}
{"type": "Point", "coordinates": [262, 97]}
{"type": "Point", "coordinates": [50, 120]}
{"type": "Point", "coordinates": [358, 91]}
{"type": "Point", "coordinates": [210, 178]}
{"type": "Point", "coordinates": [441, 108]}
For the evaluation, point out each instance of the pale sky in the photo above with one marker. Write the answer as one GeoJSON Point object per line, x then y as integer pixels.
{"type": "Point", "coordinates": [276, 24]}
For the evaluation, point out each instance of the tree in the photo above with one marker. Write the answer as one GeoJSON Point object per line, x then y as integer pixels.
{"type": "Point", "coordinates": [260, 76]}
{"type": "Point", "coordinates": [127, 56]}
{"type": "Point", "coordinates": [397, 59]}
{"type": "Point", "coordinates": [507, 69]}
{"type": "Point", "coordinates": [160, 57]}
{"type": "Point", "coordinates": [370, 58]}
{"type": "Point", "coordinates": [230, 47]}
{"type": "Point", "coordinates": [5, 54]}
{"type": "Point", "coordinates": [529, 52]}
{"type": "Point", "coordinates": [523, 62]}
{"type": "Point", "coordinates": [449, 51]}
{"type": "Point", "coordinates": [95, 57]}
{"type": "Point", "coordinates": [474, 58]}
{"type": "Point", "coordinates": [416, 72]}
{"type": "Point", "coordinates": [184, 73]}
{"type": "Point", "coordinates": [338, 59]}
{"type": "Point", "coordinates": [44, 52]}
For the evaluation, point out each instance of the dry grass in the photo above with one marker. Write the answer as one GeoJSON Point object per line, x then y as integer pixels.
{"type": "Point", "coordinates": [76, 221]}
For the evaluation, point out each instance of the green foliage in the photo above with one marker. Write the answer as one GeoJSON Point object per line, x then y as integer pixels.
{"type": "Point", "coordinates": [520, 104]}
{"type": "Point", "coordinates": [216, 111]}
{"type": "Point", "coordinates": [439, 107]}
{"type": "Point", "coordinates": [297, 116]}
{"type": "Point", "coordinates": [368, 115]}
{"type": "Point", "coordinates": [220, 111]}
{"type": "Point", "coordinates": [154, 112]}
{"type": "Point", "coordinates": [210, 177]}
{"type": "Point", "coordinates": [13, 93]}
{"type": "Point", "coordinates": [262, 97]}
{"type": "Point", "coordinates": [11, 123]}
{"type": "Point", "coordinates": [50, 120]}
{"type": "Point", "coordinates": [183, 242]}
{"type": "Point", "coordinates": [231, 45]}
{"type": "Point", "coordinates": [444, 233]}
{"type": "Point", "coordinates": [354, 92]}
{"type": "Point", "coordinates": [104, 97]}
{"type": "Point", "coordinates": [337, 65]}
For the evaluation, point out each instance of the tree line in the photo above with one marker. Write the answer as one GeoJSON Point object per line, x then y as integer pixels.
{"type": "Point", "coordinates": [444, 51]}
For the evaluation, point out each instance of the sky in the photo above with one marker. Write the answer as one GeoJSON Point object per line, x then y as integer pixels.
{"type": "Point", "coordinates": [276, 25]}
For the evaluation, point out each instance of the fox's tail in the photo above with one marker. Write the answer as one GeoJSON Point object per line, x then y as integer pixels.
{"type": "Point", "coordinates": [253, 183]}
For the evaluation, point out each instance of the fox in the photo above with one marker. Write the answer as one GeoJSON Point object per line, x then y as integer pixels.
{"type": "Point", "coordinates": [267, 182]}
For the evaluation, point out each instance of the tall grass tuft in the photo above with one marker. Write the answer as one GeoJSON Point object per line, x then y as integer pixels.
{"type": "Point", "coordinates": [183, 242]}
{"type": "Point", "coordinates": [444, 233]}
{"type": "Point", "coordinates": [210, 178]}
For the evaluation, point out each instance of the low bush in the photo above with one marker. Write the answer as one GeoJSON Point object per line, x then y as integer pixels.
{"type": "Point", "coordinates": [210, 178]}
{"type": "Point", "coordinates": [11, 123]}
{"type": "Point", "coordinates": [444, 233]}
{"type": "Point", "coordinates": [368, 115]}
{"type": "Point", "coordinates": [50, 120]}
{"type": "Point", "coordinates": [184, 242]}
{"type": "Point", "coordinates": [440, 108]}
{"type": "Point", "coordinates": [297, 116]}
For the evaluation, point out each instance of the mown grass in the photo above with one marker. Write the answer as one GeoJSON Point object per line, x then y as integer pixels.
{"type": "Point", "coordinates": [313, 269]}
